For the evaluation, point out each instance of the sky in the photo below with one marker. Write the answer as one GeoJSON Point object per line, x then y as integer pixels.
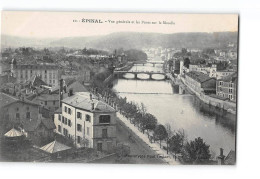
{"type": "Point", "coordinates": [43, 24]}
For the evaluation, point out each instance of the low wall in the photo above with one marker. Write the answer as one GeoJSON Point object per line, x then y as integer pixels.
{"type": "Point", "coordinates": [225, 105]}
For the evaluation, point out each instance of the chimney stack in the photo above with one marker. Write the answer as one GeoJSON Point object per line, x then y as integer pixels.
{"type": "Point", "coordinates": [92, 106]}
{"type": "Point", "coordinates": [90, 96]}
{"type": "Point", "coordinates": [221, 157]}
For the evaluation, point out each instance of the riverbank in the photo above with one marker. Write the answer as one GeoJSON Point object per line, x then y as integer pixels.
{"type": "Point", "coordinates": [227, 106]}
{"type": "Point", "coordinates": [160, 153]}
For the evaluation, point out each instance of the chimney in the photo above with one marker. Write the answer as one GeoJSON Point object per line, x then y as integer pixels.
{"type": "Point", "coordinates": [92, 106]}
{"type": "Point", "coordinates": [221, 157]}
{"type": "Point", "coordinates": [71, 92]}
{"type": "Point", "coordinates": [61, 91]}
{"type": "Point", "coordinates": [90, 96]}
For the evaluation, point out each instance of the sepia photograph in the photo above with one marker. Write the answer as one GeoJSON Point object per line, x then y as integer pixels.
{"type": "Point", "coordinates": [119, 88]}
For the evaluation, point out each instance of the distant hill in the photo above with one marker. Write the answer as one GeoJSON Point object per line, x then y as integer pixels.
{"type": "Point", "coordinates": [130, 40]}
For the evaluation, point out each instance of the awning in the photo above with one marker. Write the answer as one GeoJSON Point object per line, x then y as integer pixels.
{"type": "Point", "coordinates": [54, 147]}
{"type": "Point", "coordinates": [13, 133]}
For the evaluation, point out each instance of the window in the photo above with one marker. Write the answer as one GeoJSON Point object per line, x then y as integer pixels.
{"type": "Point", "coordinates": [63, 119]}
{"type": "Point", "coordinates": [69, 122]}
{"type": "Point", "coordinates": [69, 110]}
{"type": "Point", "coordinates": [17, 109]}
{"type": "Point", "coordinates": [28, 108]}
{"type": "Point", "coordinates": [53, 102]}
{"type": "Point", "coordinates": [65, 132]}
{"type": "Point", "coordinates": [79, 115]}
{"type": "Point", "coordinates": [87, 130]}
{"type": "Point", "coordinates": [28, 115]}
{"type": "Point", "coordinates": [78, 139]}
{"type": "Point", "coordinates": [221, 83]}
{"type": "Point", "coordinates": [88, 118]}
{"type": "Point", "coordinates": [99, 146]}
{"type": "Point", "coordinates": [230, 90]}
{"type": "Point", "coordinates": [65, 108]}
{"type": "Point", "coordinates": [230, 96]}
{"type": "Point", "coordinates": [45, 102]}
{"type": "Point", "coordinates": [59, 117]}
{"type": "Point", "coordinates": [17, 115]}
{"type": "Point", "coordinates": [104, 119]}
{"type": "Point", "coordinates": [230, 85]}
{"type": "Point", "coordinates": [59, 128]}
{"type": "Point", "coordinates": [104, 133]}
{"type": "Point", "coordinates": [79, 127]}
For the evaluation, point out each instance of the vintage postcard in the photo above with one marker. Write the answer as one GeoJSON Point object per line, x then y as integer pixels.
{"type": "Point", "coordinates": [118, 88]}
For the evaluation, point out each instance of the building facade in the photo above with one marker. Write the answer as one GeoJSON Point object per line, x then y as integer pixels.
{"type": "Point", "coordinates": [17, 110]}
{"type": "Point", "coordinates": [200, 82]}
{"type": "Point", "coordinates": [87, 121]}
{"type": "Point", "coordinates": [48, 72]}
{"type": "Point", "coordinates": [227, 87]}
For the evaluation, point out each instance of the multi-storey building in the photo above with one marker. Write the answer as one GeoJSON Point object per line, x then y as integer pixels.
{"type": "Point", "coordinates": [48, 72]}
{"type": "Point", "coordinates": [15, 110]}
{"type": "Point", "coordinates": [87, 121]}
{"type": "Point", "coordinates": [227, 87]}
{"type": "Point", "coordinates": [200, 82]}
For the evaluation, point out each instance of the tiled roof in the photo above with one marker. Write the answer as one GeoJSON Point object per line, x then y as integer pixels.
{"type": "Point", "coordinates": [32, 125]}
{"type": "Point", "coordinates": [230, 158]}
{"type": "Point", "coordinates": [230, 78]}
{"type": "Point", "coordinates": [200, 77]}
{"type": "Point", "coordinates": [6, 99]}
{"type": "Point", "coordinates": [58, 111]}
{"type": "Point", "coordinates": [35, 81]}
{"type": "Point", "coordinates": [82, 100]}
{"type": "Point", "coordinates": [49, 97]}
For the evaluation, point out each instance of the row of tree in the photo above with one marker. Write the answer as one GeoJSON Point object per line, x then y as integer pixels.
{"type": "Point", "coordinates": [196, 151]}
{"type": "Point", "coordinates": [190, 152]}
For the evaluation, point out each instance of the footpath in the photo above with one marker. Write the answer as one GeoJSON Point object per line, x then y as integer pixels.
{"type": "Point", "coordinates": [168, 158]}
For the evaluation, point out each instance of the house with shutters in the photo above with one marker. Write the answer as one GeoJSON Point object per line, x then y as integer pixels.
{"type": "Point", "coordinates": [87, 121]}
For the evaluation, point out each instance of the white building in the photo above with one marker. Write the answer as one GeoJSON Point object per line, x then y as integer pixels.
{"type": "Point", "coordinates": [48, 72]}
{"type": "Point", "coordinates": [88, 121]}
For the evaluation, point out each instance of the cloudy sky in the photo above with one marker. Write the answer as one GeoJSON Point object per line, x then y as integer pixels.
{"type": "Point", "coordinates": [60, 24]}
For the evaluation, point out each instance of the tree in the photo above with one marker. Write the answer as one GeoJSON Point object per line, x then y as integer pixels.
{"type": "Point", "coordinates": [196, 151]}
{"type": "Point", "coordinates": [160, 133]}
{"type": "Point", "coordinates": [169, 132]}
{"type": "Point", "coordinates": [175, 143]}
{"type": "Point", "coordinates": [149, 122]}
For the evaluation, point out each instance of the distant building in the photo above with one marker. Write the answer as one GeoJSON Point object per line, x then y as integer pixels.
{"type": "Point", "coordinates": [202, 68]}
{"type": "Point", "coordinates": [40, 132]}
{"type": "Point", "coordinates": [227, 87]}
{"type": "Point", "coordinates": [48, 72]}
{"type": "Point", "coordinates": [17, 110]}
{"type": "Point", "coordinates": [222, 73]}
{"type": "Point", "coordinates": [200, 82]}
{"type": "Point", "coordinates": [230, 159]}
{"type": "Point", "coordinates": [87, 121]}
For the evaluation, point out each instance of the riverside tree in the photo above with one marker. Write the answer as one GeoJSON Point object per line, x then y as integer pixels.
{"type": "Point", "coordinates": [149, 122]}
{"type": "Point", "coordinates": [160, 133]}
{"type": "Point", "coordinates": [175, 143]}
{"type": "Point", "coordinates": [196, 152]}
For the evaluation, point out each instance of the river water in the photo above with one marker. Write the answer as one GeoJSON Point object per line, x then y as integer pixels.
{"type": "Point", "coordinates": [181, 111]}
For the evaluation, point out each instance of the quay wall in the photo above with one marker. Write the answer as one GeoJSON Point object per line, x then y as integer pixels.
{"type": "Point", "coordinates": [225, 105]}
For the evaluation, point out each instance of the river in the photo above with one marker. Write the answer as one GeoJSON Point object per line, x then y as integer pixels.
{"type": "Point", "coordinates": [181, 111]}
